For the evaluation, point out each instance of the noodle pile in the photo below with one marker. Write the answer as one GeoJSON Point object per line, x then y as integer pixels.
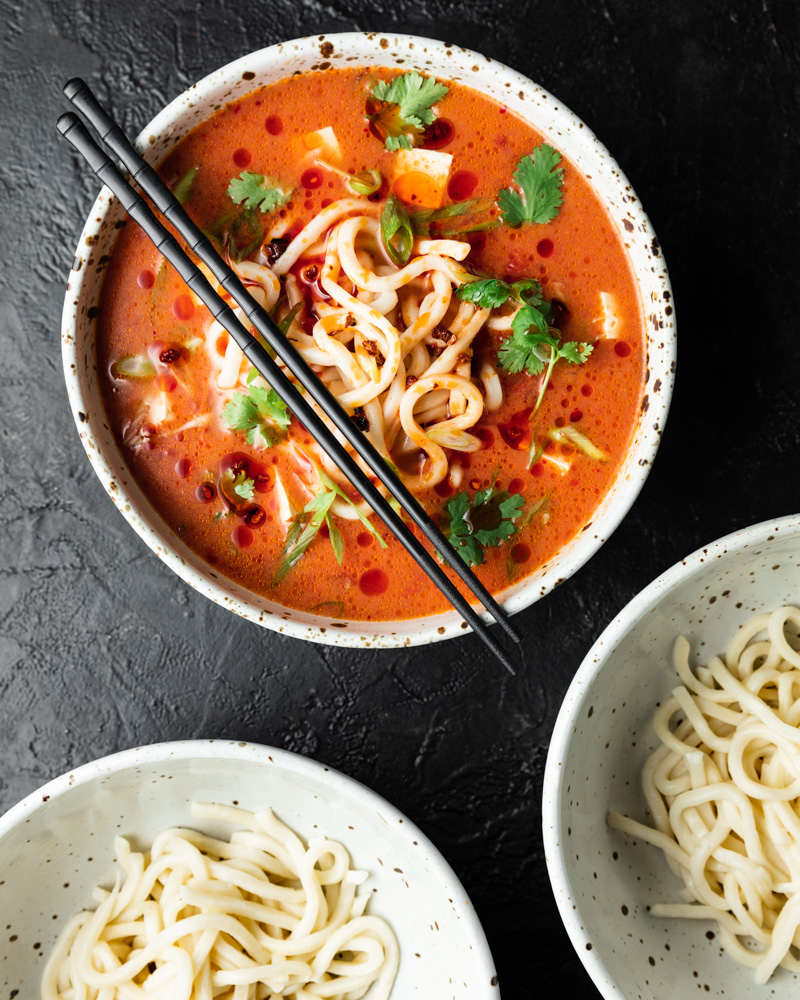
{"type": "Point", "coordinates": [255, 918]}
{"type": "Point", "coordinates": [393, 344]}
{"type": "Point", "coordinates": [724, 792]}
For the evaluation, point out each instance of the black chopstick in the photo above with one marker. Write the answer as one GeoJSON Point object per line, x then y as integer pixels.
{"type": "Point", "coordinates": [70, 126]}
{"type": "Point", "coordinates": [80, 94]}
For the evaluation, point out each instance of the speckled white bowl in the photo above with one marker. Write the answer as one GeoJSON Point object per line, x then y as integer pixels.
{"type": "Point", "coordinates": [57, 844]}
{"type": "Point", "coordinates": [604, 881]}
{"type": "Point", "coordinates": [561, 128]}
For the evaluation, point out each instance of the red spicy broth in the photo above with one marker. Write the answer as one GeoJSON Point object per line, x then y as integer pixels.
{"type": "Point", "coordinates": [147, 312]}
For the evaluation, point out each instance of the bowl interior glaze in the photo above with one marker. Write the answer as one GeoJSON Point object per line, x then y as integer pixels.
{"type": "Point", "coordinates": [604, 881]}
{"type": "Point", "coordinates": [60, 839]}
{"type": "Point", "coordinates": [563, 129]}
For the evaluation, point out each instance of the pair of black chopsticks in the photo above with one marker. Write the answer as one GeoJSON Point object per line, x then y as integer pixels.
{"type": "Point", "coordinates": [144, 175]}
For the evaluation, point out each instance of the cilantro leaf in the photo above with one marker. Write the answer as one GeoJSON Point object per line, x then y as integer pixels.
{"type": "Point", "coordinates": [492, 292]}
{"type": "Point", "coordinates": [257, 191]}
{"type": "Point", "coordinates": [244, 487]}
{"type": "Point", "coordinates": [485, 522]}
{"type": "Point", "coordinates": [404, 108]}
{"type": "Point", "coordinates": [260, 414]}
{"type": "Point", "coordinates": [540, 185]}
{"type": "Point", "coordinates": [488, 293]}
{"type": "Point", "coordinates": [534, 347]}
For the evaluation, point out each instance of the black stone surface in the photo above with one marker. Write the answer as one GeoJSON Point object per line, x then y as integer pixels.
{"type": "Point", "coordinates": [103, 648]}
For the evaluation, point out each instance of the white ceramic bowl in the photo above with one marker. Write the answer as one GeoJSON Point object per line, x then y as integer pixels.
{"type": "Point", "coordinates": [561, 128]}
{"type": "Point", "coordinates": [602, 880]}
{"type": "Point", "coordinates": [57, 844]}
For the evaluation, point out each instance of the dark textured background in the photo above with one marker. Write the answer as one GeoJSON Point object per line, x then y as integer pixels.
{"type": "Point", "coordinates": [102, 647]}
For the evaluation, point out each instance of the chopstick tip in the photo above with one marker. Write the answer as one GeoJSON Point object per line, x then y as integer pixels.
{"type": "Point", "coordinates": [73, 87]}
{"type": "Point", "coordinates": [66, 122]}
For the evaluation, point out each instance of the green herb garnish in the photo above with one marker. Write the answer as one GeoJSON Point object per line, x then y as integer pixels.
{"type": "Point", "coordinates": [244, 487]}
{"type": "Point", "coordinates": [406, 103]}
{"type": "Point", "coordinates": [534, 345]}
{"type": "Point", "coordinates": [133, 366]}
{"type": "Point", "coordinates": [540, 195]}
{"type": "Point", "coordinates": [183, 188]}
{"type": "Point", "coordinates": [330, 604]}
{"type": "Point", "coordinates": [365, 183]}
{"type": "Point", "coordinates": [257, 191]}
{"type": "Point", "coordinates": [485, 522]}
{"type": "Point", "coordinates": [260, 414]}
{"type": "Point", "coordinates": [396, 231]}
{"type": "Point", "coordinates": [307, 523]}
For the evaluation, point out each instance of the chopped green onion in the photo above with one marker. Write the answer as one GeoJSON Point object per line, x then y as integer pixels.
{"type": "Point", "coordinates": [571, 435]}
{"type": "Point", "coordinates": [183, 189]}
{"type": "Point", "coordinates": [365, 183]}
{"type": "Point", "coordinates": [398, 237]}
{"type": "Point", "coordinates": [133, 366]}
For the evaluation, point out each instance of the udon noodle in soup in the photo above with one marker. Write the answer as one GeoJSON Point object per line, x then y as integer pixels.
{"type": "Point", "coordinates": [455, 282]}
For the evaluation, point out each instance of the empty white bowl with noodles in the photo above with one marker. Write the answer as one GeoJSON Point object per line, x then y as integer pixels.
{"type": "Point", "coordinates": [606, 881]}
{"type": "Point", "coordinates": [58, 844]}
{"type": "Point", "coordinates": [513, 92]}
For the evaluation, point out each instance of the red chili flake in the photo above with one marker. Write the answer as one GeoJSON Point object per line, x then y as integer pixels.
{"type": "Point", "coordinates": [575, 416]}
{"type": "Point", "coordinates": [275, 249]}
{"type": "Point", "coordinates": [263, 481]}
{"type": "Point", "coordinates": [254, 516]}
{"type": "Point", "coordinates": [169, 356]}
{"type": "Point", "coordinates": [205, 492]}
{"type": "Point", "coordinates": [438, 134]}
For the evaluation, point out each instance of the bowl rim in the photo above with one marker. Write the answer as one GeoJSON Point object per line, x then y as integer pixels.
{"type": "Point", "coordinates": [626, 486]}
{"type": "Point", "coordinates": [268, 756]}
{"type": "Point", "coordinates": [573, 705]}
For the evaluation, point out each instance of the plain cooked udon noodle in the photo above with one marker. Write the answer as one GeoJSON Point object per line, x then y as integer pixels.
{"type": "Point", "coordinates": [257, 917]}
{"type": "Point", "coordinates": [724, 792]}
{"type": "Point", "coordinates": [393, 343]}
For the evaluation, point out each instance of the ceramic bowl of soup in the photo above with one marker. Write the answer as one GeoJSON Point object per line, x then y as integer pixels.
{"type": "Point", "coordinates": [58, 844]}
{"type": "Point", "coordinates": [626, 910]}
{"type": "Point", "coordinates": [465, 266]}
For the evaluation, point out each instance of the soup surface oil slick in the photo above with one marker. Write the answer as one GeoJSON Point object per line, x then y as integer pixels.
{"type": "Point", "coordinates": [239, 479]}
